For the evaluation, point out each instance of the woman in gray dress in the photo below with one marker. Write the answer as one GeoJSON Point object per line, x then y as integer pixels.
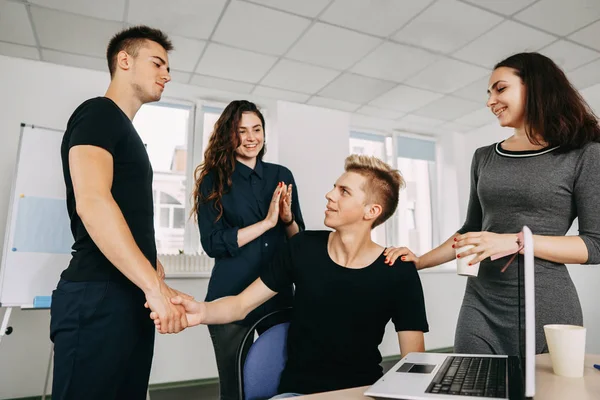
{"type": "Point", "coordinates": [544, 176]}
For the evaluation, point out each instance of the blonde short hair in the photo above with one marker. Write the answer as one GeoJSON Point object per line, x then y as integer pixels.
{"type": "Point", "coordinates": [382, 185]}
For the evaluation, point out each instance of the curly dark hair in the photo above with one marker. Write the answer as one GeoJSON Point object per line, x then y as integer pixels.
{"type": "Point", "coordinates": [219, 157]}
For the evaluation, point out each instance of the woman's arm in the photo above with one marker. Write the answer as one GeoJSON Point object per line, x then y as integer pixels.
{"type": "Point", "coordinates": [559, 249]}
{"type": "Point", "coordinates": [292, 229]}
{"type": "Point", "coordinates": [438, 256]}
{"type": "Point", "coordinates": [218, 239]}
{"type": "Point", "coordinates": [249, 233]}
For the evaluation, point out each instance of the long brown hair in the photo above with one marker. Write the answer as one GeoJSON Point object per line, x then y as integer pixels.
{"type": "Point", "coordinates": [219, 157]}
{"type": "Point", "coordinates": [554, 109]}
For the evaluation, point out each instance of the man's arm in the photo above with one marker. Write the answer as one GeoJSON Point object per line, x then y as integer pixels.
{"type": "Point", "coordinates": [91, 170]}
{"type": "Point", "coordinates": [160, 269]}
{"type": "Point", "coordinates": [224, 310]}
{"type": "Point", "coordinates": [411, 342]}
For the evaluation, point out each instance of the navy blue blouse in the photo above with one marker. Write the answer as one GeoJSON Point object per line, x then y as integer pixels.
{"type": "Point", "coordinates": [246, 203]}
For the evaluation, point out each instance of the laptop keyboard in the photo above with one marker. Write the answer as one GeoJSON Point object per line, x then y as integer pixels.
{"type": "Point", "coordinates": [471, 376]}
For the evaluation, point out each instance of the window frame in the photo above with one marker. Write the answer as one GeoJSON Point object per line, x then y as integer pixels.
{"type": "Point", "coordinates": [190, 106]}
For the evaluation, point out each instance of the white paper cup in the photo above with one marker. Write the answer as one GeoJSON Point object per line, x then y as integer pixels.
{"type": "Point", "coordinates": [567, 349]}
{"type": "Point", "coordinates": [462, 264]}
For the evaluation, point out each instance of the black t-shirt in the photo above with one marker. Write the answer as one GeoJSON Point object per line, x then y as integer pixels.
{"type": "Point", "coordinates": [340, 314]}
{"type": "Point", "coordinates": [100, 122]}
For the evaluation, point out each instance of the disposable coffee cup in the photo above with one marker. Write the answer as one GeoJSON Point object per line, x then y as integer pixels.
{"type": "Point", "coordinates": [566, 344]}
{"type": "Point", "coordinates": [462, 264]}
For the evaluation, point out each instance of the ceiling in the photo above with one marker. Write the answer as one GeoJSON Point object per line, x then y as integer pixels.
{"type": "Point", "coordinates": [421, 63]}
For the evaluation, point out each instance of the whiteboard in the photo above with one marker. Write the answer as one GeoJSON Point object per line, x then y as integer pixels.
{"type": "Point", "coordinates": [38, 238]}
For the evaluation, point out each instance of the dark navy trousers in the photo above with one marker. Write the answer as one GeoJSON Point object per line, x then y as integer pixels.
{"type": "Point", "coordinates": [103, 341]}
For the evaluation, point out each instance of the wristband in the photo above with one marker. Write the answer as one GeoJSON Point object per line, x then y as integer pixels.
{"type": "Point", "coordinates": [291, 221]}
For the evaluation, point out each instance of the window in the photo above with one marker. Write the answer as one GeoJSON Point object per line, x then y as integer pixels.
{"type": "Point", "coordinates": [165, 130]}
{"type": "Point", "coordinates": [415, 215]}
{"type": "Point", "coordinates": [372, 145]}
{"type": "Point", "coordinates": [211, 115]}
{"type": "Point", "coordinates": [367, 144]}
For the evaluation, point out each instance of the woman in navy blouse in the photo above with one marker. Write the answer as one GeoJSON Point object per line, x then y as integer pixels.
{"type": "Point", "coordinates": [246, 210]}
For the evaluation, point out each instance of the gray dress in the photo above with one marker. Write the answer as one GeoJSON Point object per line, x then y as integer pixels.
{"type": "Point", "coordinates": [545, 190]}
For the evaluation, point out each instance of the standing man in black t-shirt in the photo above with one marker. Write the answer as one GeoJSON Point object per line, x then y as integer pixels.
{"type": "Point", "coordinates": [103, 341]}
{"type": "Point", "coordinates": [345, 290]}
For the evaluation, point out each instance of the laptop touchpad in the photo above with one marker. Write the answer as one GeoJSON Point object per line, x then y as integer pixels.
{"type": "Point", "coordinates": [416, 368]}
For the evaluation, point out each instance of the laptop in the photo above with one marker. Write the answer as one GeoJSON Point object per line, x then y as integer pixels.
{"type": "Point", "coordinates": [470, 376]}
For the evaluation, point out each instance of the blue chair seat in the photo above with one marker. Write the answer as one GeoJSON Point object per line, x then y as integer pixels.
{"type": "Point", "coordinates": [260, 371]}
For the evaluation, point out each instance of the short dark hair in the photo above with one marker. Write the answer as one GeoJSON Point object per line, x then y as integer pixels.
{"type": "Point", "coordinates": [554, 109]}
{"type": "Point", "coordinates": [130, 40]}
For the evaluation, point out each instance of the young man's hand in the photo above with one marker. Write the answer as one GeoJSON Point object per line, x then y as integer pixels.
{"type": "Point", "coordinates": [171, 316]}
{"type": "Point", "coordinates": [194, 311]}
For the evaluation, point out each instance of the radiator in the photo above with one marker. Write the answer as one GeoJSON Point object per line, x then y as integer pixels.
{"type": "Point", "coordinates": [186, 265]}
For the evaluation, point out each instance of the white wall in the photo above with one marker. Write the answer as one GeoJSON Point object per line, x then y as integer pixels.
{"type": "Point", "coordinates": [313, 144]}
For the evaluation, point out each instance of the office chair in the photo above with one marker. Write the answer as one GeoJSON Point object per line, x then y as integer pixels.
{"type": "Point", "coordinates": [259, 371]}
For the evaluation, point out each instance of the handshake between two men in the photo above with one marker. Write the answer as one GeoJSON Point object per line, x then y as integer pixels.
{"type": "Point", "coordinates": [165, 304]}
{"type": "Point", "coordinates": [166, 308]}
{"type": "Point", "coordinates": [183, 312]}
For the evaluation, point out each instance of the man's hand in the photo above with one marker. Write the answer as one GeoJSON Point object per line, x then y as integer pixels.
{"type": "Point", "coordinates": [171, 316]}
{"type": "Point", "coordinates": [195, 311]}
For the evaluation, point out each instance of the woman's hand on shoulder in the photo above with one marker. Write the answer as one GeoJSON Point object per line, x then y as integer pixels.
{"type": "Point", "coordinates": [393, 253]}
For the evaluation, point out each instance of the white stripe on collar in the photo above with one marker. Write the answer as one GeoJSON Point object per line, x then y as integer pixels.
{"type": "Point", "coordinates": [531, 153]}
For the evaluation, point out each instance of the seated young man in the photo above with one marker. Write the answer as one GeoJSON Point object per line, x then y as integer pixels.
{"type": "Point", "coordinates": [345, 292]}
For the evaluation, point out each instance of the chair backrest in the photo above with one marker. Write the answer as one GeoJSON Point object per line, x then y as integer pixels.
{"type": "Point", "coordinates": [259, 373]}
